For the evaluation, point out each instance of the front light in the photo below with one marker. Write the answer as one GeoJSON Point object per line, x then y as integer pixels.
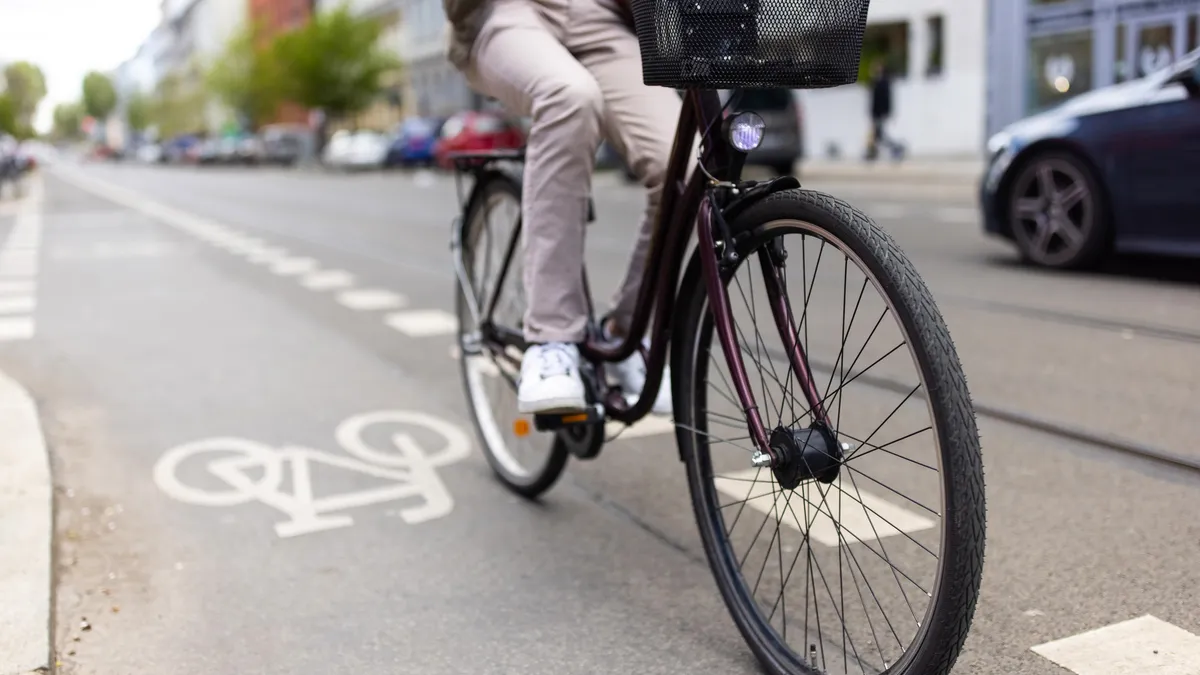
{"type": "Point", "coordinates": [998, 142]}
{"type": "Point", "coordinates": [746, 131]}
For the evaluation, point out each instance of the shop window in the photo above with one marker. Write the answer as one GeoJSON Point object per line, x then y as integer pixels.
{"type": "Point", "coordinates": [935, 26]}
{"type": "Point", "coordinates": [887, 43]}
{"type": "Point", "coordinates": [1060, 67]}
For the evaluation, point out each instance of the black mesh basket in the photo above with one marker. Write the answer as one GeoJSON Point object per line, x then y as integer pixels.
{"type": "Point", "coordinates": [730, 44]}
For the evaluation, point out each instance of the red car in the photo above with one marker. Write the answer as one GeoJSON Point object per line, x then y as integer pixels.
{"type": "Point", "coordinates": [475, 131]}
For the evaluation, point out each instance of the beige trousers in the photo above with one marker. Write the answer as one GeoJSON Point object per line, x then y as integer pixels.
{"type": "Point", "coordinates": [575, 69]}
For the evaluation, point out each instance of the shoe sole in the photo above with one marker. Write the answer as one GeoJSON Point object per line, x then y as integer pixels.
{"type": "Point", "coordinates": [553, 406]}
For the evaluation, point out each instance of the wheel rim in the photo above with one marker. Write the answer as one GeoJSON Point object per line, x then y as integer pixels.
{"type": "Point", "coordinates": [490, 377]}
{"type": "Point", "coordinates": [1052, 211]}
{"type": "Point", "coordinates": [789, 658]}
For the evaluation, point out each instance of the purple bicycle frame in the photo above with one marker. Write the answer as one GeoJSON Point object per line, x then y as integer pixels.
{"type": "Point", "coordinates": [687, 201]}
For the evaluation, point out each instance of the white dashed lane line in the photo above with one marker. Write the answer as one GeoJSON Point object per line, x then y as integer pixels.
{"type": "Point", "coordinates": [369, 299]}
{"type": "Point", "coordinates": [327, 280]}
{"type": "Point", "coordinates": [1146, 645]}
{"type": "Point", "coordinates": [423, 322]}
{"type": "Point", "coordinates": [18, 270]}
{"type": "Point", "coordinates": [293, 266]}
{"type": "Point", "coordinates": [13, 304]}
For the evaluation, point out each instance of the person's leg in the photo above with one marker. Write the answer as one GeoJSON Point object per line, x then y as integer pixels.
{"type": "Point", "coordinates": [523, 65]}
{"type": "Point", "coordinates": [640, 123]}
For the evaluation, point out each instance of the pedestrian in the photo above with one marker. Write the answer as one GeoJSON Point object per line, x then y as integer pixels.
{"type": "Point", "coordinates": [881, 111]}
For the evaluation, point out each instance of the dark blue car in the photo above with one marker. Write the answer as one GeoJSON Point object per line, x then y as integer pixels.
{"type": "Point", "coordinates": [1113, 170]}
{"type": "Point", "coordinates": [413, 143]}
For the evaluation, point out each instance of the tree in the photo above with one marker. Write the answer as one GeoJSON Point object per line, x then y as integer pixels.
{"type": "Point", "coordinates": [25, 87]}
{"type": "Point", "coordinates": [68, 118]}
{"type": "Point", "coordinates": [99, 95]}
{"type": "Point", "coordinates": [177, 106]}
{"type": "Point", "coordinates": [8, 115]}
{"type": "Point", "coordinates": [246, 76]}
{"type": "Point", "coordinates": [139, 111]}
{"type": "Point", "coordinates": [334, 63]}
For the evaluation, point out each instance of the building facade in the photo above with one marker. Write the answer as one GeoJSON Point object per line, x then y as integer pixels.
{"type": "Point", "coordinates": [1043, 52]}
{"type": "Point", "coordinates": [936, 50]}
{"type": "Point", "coordinates": [434, 88]}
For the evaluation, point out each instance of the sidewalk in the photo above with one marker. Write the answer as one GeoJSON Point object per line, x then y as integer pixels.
{"type": "Point", "coordinates": [963, 171]}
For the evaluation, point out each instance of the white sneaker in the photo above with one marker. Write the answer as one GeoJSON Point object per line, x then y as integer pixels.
{"type": "Point", "coordinates": [630, 376]}
{"type": "Point", "coordinates": [550, 381]}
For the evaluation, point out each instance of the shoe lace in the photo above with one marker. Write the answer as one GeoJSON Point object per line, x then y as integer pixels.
{"type": "Point", "coordinates": [556, 360]}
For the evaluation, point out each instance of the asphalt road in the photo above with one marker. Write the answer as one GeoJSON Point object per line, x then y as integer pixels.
{"type": "Point", "coordinates": [150, 338]}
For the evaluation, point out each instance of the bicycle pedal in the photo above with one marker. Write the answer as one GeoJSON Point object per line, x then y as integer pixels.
{"type": "Point", "coordinates": [556, 421]}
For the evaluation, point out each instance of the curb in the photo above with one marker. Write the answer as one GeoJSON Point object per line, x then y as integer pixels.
{"type": "Point", "coordinates": [26, 526]}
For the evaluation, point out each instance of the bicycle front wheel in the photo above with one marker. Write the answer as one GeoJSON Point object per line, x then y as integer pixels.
{"type": "Point", "coordinates": [867, 555]}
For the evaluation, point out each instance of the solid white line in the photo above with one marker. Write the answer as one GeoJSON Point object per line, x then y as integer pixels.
{"type": "Point", "coordinates": [327, 280]}
{"type": "Point", "coordinates": [1145, 645]}
{"type": "Point", "coordinates": [423, 322]}
{"type": "Point", "coordinates": [368, 299]}
{"type": "Point", "coordinates": [859, 521]}
{"type": "Point", "coordinates": [25, 531]}
{"type": "Point", "coordinates": [16, 328]}
{"type": "Point", "coordinates": [21, 303]}
{"type": "Point", "coordinates": [292, 266]}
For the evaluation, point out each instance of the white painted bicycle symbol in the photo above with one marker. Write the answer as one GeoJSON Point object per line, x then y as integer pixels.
{"type": "Point", "coordinates": [252, 471]}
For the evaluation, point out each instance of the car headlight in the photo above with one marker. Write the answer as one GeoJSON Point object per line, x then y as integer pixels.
{"type": "Point", "coordinates": [998, 142]}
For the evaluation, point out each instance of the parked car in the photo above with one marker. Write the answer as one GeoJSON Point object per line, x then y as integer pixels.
{"type": "Point", "coordinates": [1114, 170]}
{"type": "Point", "coordinates": [474, 131]}
{"type": "Point", "coordinates": [413, 143]}
{"type": "Point", "coordinates": [284, 144]}
{"type": "Point", "coordinates": [362, 149]}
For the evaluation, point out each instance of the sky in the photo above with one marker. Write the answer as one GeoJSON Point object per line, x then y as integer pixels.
{"type": "Point", "coordinates": [67, 38]}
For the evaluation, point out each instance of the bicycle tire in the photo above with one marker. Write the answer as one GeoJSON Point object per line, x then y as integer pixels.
{"type": "Point", "coordinates": [529, 484]}
{"type": "Point", "coordinates": [948, 620]}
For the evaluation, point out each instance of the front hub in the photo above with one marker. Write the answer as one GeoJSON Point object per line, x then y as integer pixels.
{"type": "Point", "coordinates": [805, 454]}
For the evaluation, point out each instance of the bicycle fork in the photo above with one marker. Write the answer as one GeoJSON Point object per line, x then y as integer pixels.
{"type": "Point", "coordinates": [765, 455]}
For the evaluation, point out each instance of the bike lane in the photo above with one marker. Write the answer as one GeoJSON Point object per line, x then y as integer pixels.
{"type": "Point", "coordinates": [242, 487]}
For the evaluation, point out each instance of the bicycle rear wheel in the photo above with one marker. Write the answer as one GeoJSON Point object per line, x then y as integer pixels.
{"type": "Point", "coordinates": [889, 580]}
{"type": "Point", "coordinates": [527, 461]}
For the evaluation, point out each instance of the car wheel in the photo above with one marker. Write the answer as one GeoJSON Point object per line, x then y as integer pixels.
{"type": "Point", "coordinates": [1056, 212]}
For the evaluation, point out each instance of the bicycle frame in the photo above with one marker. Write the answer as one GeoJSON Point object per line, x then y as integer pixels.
{"type": "Point", "coordinates": [686, 201]}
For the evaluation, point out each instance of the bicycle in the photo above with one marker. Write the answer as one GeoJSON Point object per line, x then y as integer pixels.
{"type": "Point", "coordinates": [802, 442]}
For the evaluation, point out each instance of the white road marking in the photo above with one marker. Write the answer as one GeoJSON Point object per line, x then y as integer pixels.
{"type": "Point", "coordinates": [865, 521]}
{"type": "Point", "coordinates": [268, 255]}
{"type": "Point", "coordinates": [1145, 646]}
{"type": "Point", "coordinates": [293, 266]}
{"type": "Point", "coordinates": [368, 299]}
{"type": "Point", "coordinates": [16, 328]}
{"type": "Point", "coordinates": [25, 520]}
{"type": "Point", "coordinates": [327, 280]}
{"type": "Point", "coordinates": [21, 267]}
{"type": "Point", "coordinates": [16, 286]}
{"type": "Point", "coordinates": [957, 215]}
{"type": "Point", "coordinates": [406, 466]}
{"type": "Point", "coordinates": [423, 322]}
{"type": "Point", "coordinates": [12, 305]}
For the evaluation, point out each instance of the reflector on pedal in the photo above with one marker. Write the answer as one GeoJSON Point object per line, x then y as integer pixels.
{"type": "Point", "coordinates": [574, 419]}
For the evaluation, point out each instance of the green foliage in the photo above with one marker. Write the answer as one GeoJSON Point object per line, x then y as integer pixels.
{"type": "Point", "coordinates": [8, 115]}
{"type": "Point", "coordinates": [99, 95]}
{"type": "Point", "coordinates": [67, 119]}
{"type": "Point", "coordinates": [140, 111]}
{"type": "Point", "coordinates": [25, 87]}
{"type": "Point", "coordinates": [334, 63]}
{"type": "Point", "coordinates": [246, 76]}
{"type": "Point", "coordinates": [177, 106]}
